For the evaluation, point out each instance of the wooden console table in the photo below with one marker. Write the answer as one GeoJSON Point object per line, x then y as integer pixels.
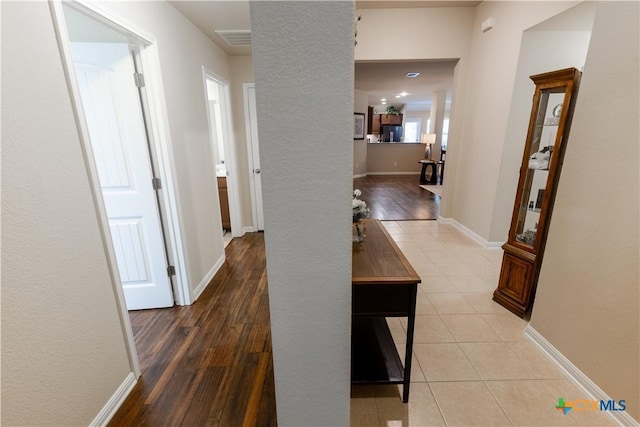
{"type": "Point", "coordinates": [384, 285]}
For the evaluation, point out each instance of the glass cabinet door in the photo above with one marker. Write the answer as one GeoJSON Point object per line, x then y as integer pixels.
{"type": "Point", "coordinates": [544, 149]}
{"type": "Point", "coordinates": [543, 138]}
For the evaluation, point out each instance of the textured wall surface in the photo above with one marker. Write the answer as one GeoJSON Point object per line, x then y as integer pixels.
{"type": "Point", "coordinates": [63, 351]}
{"type": "Point", "coordinates": [587, 304]}
{"type": "Point", "coordinates": [303, 61]}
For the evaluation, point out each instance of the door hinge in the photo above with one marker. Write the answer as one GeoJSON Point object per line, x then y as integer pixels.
{"type": "Point", "coordinates": [156, 183]}
{"type": "Point", "coordinates": [139, 79]}
{"type": "Point", "coordinates": [171, 271]}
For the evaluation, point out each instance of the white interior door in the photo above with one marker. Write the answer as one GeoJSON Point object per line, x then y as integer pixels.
{"type": "Point", "coordinates": [254, 154]}
{"type": "Point", "coordinates": [119, 143]}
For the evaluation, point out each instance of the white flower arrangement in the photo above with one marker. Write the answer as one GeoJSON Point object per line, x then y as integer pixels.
{"type": "Point", "coordinates": [360, 209]}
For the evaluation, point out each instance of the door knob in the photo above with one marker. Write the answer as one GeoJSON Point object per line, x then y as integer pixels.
{"type": "Point", "coordinates": [257, 170]}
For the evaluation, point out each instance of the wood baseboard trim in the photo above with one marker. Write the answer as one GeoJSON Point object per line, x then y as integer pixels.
{"type": "Point", "coordinates": [207, 279]}
{"type": "Point", "coordinates": [470, 233]}
{"type": "Point", "coordinates": [113, 404]}
{"type": "Point", "coordinates": [578, 377]}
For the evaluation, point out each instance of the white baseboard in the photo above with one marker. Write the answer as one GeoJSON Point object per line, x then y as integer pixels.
{"type": "Point", "coordinates": [470, 233]}
{"type": "Point", "coordinates": [360, 175]}
{"type": "Point", "coordinates": [113, 404]}
{"type": "Point", "coordinates": [204, 282]}
{"type": "Point", "coordinates": [249, 229]}
{"type": "Point", "coordinates": [578, 377]}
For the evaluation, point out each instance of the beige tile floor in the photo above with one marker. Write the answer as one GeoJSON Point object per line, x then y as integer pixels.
{"type": "Point", "coordinates": [472, 364]}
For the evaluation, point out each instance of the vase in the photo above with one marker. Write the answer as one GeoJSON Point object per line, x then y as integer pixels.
{"type": "Point", "coordinates": [358, 232]}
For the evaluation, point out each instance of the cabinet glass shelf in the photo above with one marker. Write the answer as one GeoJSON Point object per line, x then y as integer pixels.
{"type": "Point", "coordinates": [551, 112]}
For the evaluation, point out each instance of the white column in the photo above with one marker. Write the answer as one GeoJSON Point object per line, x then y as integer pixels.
{"type": "Point", "coordinates": [303, 62]}
{"type": "Point", "coordinates": [438, 105]}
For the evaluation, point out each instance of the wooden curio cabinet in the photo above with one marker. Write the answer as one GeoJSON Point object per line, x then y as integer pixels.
{"type": "Point", "coordinates": [551, 114]}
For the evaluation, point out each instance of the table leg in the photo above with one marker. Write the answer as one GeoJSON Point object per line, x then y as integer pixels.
{"type": "Point", "coordinates": [423, 178]}
{"type": "Point", "coordinates": [408, 357]}
{"type": "Point", "coordinates": [434, 174]}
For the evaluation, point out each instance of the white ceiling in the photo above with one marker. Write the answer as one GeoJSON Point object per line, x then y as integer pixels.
{"type": "Point", "coordinates": [387, 79]}
{"type": "Point", "coordinates": [210, 16]}
{"type": "Point", "coordinates": [382, 79]}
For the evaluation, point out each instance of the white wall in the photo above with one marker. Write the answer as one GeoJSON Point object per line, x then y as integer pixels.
{"type": "Point", "coordinates": [452, 28]}
{"type": "Point", "coordinates": [478, 129]}
{"type": "Point", "coordinates": [63, 351]}
{"type": "Point", "coordinates": [303, 60]}
{"type": "Point", "coordinates": [540, 51]}
{"type": "Point", "coordinates": [241, 68]}
{"type": "Point", "coordinates": [425, 33]}
{"type": "Point", "coordinates": [587, 302]}
{"type": "Point", "coordinates": [183, 50]}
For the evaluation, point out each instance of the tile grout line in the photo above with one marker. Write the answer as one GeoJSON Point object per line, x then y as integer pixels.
{"type": "Point", "coordinates": [495, 398]}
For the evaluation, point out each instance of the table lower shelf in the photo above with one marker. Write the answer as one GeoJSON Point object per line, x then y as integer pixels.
{"type": "Point", "coordinates": [374, 358]}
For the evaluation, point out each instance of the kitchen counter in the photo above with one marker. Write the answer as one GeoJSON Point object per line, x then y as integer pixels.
{"type": "Point", "coordinates": [394, 158]}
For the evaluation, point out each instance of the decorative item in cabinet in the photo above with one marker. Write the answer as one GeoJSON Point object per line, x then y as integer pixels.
{"type": "Point", "coordinates": [547, 137]}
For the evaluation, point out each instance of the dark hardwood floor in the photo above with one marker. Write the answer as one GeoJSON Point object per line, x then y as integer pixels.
{"type": "Point", "coordinates": [208, 364]}
{"type": "Point", "coordinates": [397, 197]}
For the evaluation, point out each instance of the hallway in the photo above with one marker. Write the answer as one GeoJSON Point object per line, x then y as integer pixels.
{"type": "Point", "coordinates": [209, 363]}
{"type": "Point", "coordinates": [472, 364]}
{"type": "Point", "coordinates": [397, 197]}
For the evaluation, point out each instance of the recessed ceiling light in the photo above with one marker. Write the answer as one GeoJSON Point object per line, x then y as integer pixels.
{"type": "Point", "coordinates": [384, 102]}
{"type": "Point", "coordinates": [403, 94]}
{"type": "Point", "coordinates": [398, 96]}
{"type": "Point", "coordinates": [383, 99]}
{"type": "Point", "coordinates": [412, 75]}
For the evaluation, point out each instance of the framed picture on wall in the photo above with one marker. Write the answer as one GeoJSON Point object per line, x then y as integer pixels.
{"type": "Point", "coordinates": [358, 125]}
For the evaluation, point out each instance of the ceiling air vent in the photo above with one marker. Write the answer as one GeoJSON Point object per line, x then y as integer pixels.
{"type": "Point", "coordinates": [236, 37]}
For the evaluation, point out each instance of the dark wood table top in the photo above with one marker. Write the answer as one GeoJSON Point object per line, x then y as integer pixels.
{"type": "Point", "coordinates": [378, 260]}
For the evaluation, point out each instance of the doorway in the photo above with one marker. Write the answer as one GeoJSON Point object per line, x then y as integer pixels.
{"type": "Point", "coordinates": [253, 150]}
{"type": "Point", "coordinates": [222, 148]}
{"type": "Point", "coordinates": [104, 62]}
{"type": "Point", "coordinates": [217, 115]}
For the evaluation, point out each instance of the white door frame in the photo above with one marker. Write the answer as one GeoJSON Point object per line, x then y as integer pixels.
{"type": "Point", "coordinates": [233, 190]}
{"type": "Point", "coordinates": [247, 123]}
{"type": "Point", "coordinates": [161, 155]}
